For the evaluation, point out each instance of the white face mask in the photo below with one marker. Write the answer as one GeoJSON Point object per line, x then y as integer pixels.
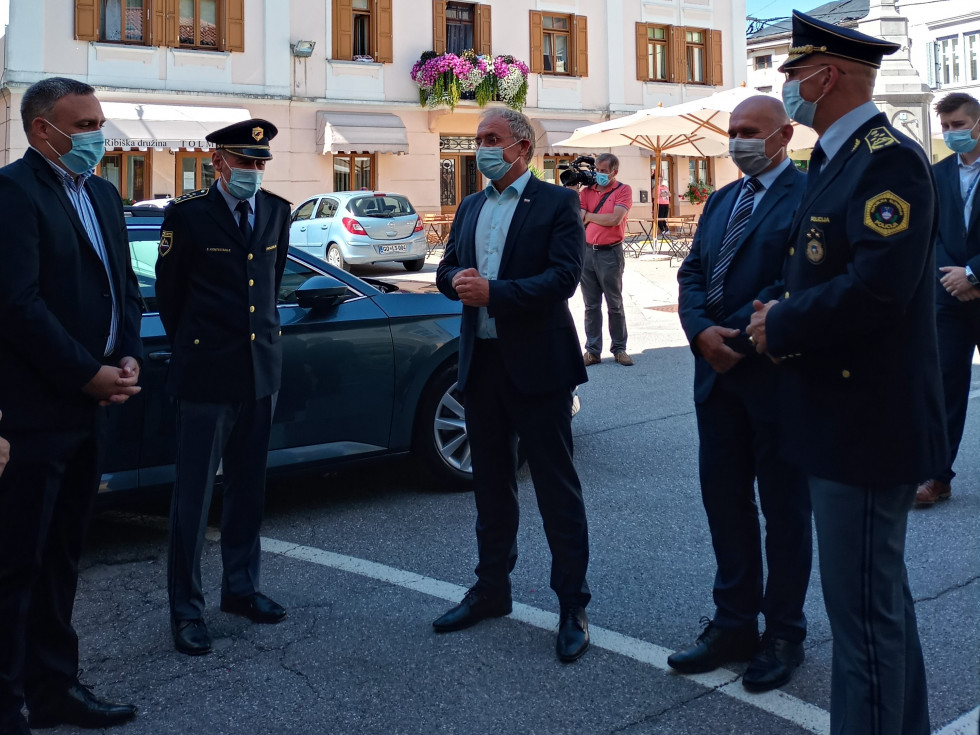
{"type": "Point", "coordinates": [749, 154]}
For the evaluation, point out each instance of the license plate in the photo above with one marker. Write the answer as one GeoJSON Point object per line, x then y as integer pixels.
{"type": "Point", "coordinates": [392, 248]}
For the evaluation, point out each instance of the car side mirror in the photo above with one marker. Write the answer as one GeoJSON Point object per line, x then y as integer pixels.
{"type": "Point", "coordinates": [321, 293]}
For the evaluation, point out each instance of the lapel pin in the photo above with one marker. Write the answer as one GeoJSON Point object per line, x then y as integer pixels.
{"type": "Point", "coordinates": [527, 201]}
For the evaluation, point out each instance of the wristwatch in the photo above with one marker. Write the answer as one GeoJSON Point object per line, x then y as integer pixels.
{"type": "Point", "coordinates": [972, 278]}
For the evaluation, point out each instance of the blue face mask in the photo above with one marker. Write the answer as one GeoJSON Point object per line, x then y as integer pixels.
{"type": "Point", "coordinates": [491, 162]}
{"type": "Point", "coordinates": [86, 151]}
{"type": "Point", "coordinates": [244, 182]}
{"type": "Point", "coordinates": [960, 141]}
{"type": "Point", "coordinates": [602, 179]}
{"type": "Point", "coordinates": [801, 110]}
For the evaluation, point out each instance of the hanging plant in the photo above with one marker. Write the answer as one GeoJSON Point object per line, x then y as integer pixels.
{"type": "Point", "coordinates": [444, 79]}
{"type": "Point", "coordinates": [698, 192]}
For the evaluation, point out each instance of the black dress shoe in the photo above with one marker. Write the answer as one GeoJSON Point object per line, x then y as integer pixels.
{"type": "Point", "coordinates": [714, 647]}
{"type": "Point", "coordinates": [191, 637]}
{"type": "Point", "coordinates": [78, 706]}
{"type": "Point", "coordinates": [13, 724]}
{"type": "Point", "coordinates": [256, 607]}
{"type": "Point", "coordinates": [476, 606]}
{"type": "Point", "coordinates": [773, 665]}
{"type": "Point", "coordinates": [573, 633]}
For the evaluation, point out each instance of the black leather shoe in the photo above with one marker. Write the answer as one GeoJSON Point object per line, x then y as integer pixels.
{"type": "Point", "coordinates": [256, 607]}
{"type": "Point", "coordinates": [573, 633]}
{"type": "Point", "coordinates": [78, 706]}
{"type": "Point", "coordinates": [13, 724]}
{"type": "Point", "coordinates": [476, 606]}
{"type": "Point", "coordinates": [714, 647]}
{"type": "Point", "coordinates": [773, 665]}
{"type": "Point", "coordinates": [191, 637]}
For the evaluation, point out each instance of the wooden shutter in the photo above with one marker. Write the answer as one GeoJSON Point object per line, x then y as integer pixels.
{"type": "Point", "coordinates": [481, 30]}
{"type": "Point", "coordinates": [158, 23]}
{"type": "Point", "coordinates": [678, 55]}
{"type": "Point", "coordinates": [439, 26]}
{"type": "Point", "coordinates": [383, 38]}
{"type": "Point", "coordinates": [234, 25]}
{"type": "Point", "coordinates": [86, 20]}
{"type": "Point", "coordinates": [642, 64]}
{"type": "Point", "coordinates": [714, 62]}
{"type": "Point", "coordinates": [581, 41]}
{"type": "Point", "coordinates": [536, 60]}
{"type": "Point", "coordinates": [343, 30]}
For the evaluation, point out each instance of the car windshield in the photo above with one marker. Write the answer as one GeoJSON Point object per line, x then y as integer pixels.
{"type": "Point", "coordinates": [384, 206]}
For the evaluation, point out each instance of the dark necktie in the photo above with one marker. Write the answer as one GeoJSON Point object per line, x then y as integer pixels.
{"type": "Point", "coordinates": [243, 209]}
{"type": "Point", "coordinates": [817, 160]}
{"type": "Point", "coordinates": [736, 228]}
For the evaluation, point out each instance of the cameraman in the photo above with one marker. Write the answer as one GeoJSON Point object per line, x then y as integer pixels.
{"type": "Point", "coordinates": [605, 206]}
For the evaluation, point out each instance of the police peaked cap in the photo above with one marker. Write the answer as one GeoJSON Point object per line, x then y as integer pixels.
{"type": "Point", "coordinates": [248, 138]}
{"type": "Point", "coordinates": [812, 36]}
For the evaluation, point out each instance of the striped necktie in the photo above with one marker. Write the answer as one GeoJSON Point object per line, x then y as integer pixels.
{"type": "Point", "coordinates": [736, 228]}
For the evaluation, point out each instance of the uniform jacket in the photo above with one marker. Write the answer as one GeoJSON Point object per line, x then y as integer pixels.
{"type": "Point", "coordinates": [956, 244]}
{"type": "Point", "coordinates": [755, 267]}
{"type": "Point", "coordinates": [539, 270]}
{"type": "Point", "coordinates": [55, 299]}
{"type": "Point", "coordinates": [861, 398]}
{"type": "Point", "coordinates": [217, 297]}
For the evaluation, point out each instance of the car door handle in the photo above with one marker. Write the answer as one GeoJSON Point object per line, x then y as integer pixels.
{"type": "Point", "coordinates": [302, 229]}
{"type": "Point", "coordinates": [160, 356]}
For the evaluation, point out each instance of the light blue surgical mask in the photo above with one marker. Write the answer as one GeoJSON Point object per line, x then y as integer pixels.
{"type": "Point", "coordinates": [801, 110]}
{"type": "Point", "coordinates": [491, 161]}
{"type": "Point", "coordinates": [602, 179]}
{"type": "Point", "coordinates": [244, 182]}
{"type": "Point", "coordinates": [960, 141]}
{"type": "Point", "coordinates": [86, 151]}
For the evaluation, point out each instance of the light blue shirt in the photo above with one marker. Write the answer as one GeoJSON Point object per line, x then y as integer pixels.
{"type": "Point", "coordinates": [233, 202]}
{"type": "Point", "coordinates": [491, 235]}
{"type": "Point", "coordinates": [74, 187]}
{"type": "Point", "coordinates": [766, 179]}
{"type": "Point", "coordinates": [840, 132]}
{"type": "Point", "coordinates": [969, 176]}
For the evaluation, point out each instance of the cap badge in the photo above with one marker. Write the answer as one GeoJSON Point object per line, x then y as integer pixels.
{"type": "Point", "coordinates": [257, 133]}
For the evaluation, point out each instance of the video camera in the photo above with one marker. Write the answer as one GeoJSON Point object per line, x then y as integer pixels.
{"type": "Point", "coordinates": [580, 171]}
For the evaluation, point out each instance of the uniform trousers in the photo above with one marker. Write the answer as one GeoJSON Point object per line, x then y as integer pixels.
{"type": "Point", "coordinates": [496, 415]}
{"type": "Point", "coordinates": [958, 331]}
{"type": "Point", "coordinates": [878, 677]}
{"type": "Point", "coordinates": [602, 275]}
{"type": "Point", "coordinates": [46, 496]}
{"type": "Point", "coordinates": [236, 435]}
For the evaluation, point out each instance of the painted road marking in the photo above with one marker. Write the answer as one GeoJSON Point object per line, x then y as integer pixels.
{"type": "Point", "coordinates": [965, 725]}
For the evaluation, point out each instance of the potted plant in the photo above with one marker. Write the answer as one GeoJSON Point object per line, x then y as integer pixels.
{"type": "Point", "coordinates": [698, 192]}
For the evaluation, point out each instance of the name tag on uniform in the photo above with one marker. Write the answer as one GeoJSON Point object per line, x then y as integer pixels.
{"type": "Point", "coordinates": [219, 250]}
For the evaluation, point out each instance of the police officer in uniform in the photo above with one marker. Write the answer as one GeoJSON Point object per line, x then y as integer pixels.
{"type": "Point", "coordinates": [222, 255]}
{"type": "Point", "coordinates": [860, 382]}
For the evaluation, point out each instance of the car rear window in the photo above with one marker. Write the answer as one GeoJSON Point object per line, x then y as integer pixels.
{"type": "Point", "coordinates": [390, 205]}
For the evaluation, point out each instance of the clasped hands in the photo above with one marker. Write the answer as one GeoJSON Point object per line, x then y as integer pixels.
{"type": "Point", "coordinates": [757, 327]}
{"type": "Point", "coordinates": [113, 385]}
{"type": "Point", "coordinates": [957, 285]}
{"type": "Point", "coordinates": [472, 288]}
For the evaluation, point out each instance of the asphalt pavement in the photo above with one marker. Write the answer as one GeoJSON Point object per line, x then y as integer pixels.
{"type": "Point", "coordinates": [365, 559]}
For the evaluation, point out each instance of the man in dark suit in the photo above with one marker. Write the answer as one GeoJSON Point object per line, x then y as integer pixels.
{"type": "Point", "coordinates": [737, 253]}
{"type": "Point", "coordinates": [514, 257]}
{"type": "Point", "coordinates": [860, 392]}
{"type": "Point", "coordinates": [222, 255]}
{"type": "Point", "coordinates": [70, 315]}
{"type": "Point", "coordinates": [958, 259]}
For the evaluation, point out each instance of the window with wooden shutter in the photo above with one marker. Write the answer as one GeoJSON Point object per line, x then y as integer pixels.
{"type": "Point", "coordinates": [678, 56]}
{"type": "Point", "coordinates": [86, 20]}
{"type": "Point", "coordinates": [234, 25]}
{"type": "Point", "coordinates": [696, 46]}
{"type": "Point", "coordinates": [715, 60]}
{"type": "Point", "coordinates": [439, 26]}
{"type": "Point", "coordinates": [652, 52]}
{"type": "Point", "coordinates": [482, 31]}
{"type": "Point", "coordinates": [343, 30]}
{"type": "Point", "coordinates": [580, 46]}
{"type": "Point", "coordinates": [383, 37]}
{"type": "Point", "coordinates": [559, 44]}
{"type": "Point", "coordinates": [536, 62]}
{"type": "Point", "coordinates": [642, 66]}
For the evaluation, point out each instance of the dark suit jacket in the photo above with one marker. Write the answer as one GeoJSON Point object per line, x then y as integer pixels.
{"type": "Point", "coordinates": [55, 301]}
{"type": "Point", "coordinates": [755, 267]}
{"type": "Point", "coordinates": [217, 297]}
{"type": "Point", "coordinates": [862, 400]}
{"type": "Point", "coordinates": [539, 270]}
{"type": "Point", "coordinates": [956, 244]}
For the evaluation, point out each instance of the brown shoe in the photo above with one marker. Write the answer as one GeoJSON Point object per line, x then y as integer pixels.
{"type": "Point", "coordinates": [930, 491]}
{"type": "Point", "coordinates": [623, 359]}
{"type": "Point", "coordinates": [592, 359]}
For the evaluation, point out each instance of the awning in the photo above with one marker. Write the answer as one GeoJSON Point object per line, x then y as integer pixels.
{"type": "Point", "coordinates": [550, 132]}
{"type": "Point", "coordinates": [360, 132]}
{"type": "Point", "coordinates": [176, 127]}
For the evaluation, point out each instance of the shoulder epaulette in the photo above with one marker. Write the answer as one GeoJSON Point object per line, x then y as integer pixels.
{"type": "Point", "coordinates": [273, 194]}
{"type": "Point", "coordinates": [879, 138]}
{"type": "Point", "coordinates": [191, 195]}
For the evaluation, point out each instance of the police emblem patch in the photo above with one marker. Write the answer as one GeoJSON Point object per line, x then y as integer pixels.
{"type": "Point", "coordinates": [886, 214]}
{"type": "Point", "coordinates": [166, 242]}
{"type": "Point", "coordinates": [815, 251]}
{"type": "Point", "coordinates": [879, 138]}
{"type": "Point", "coordinates": [257, 133]}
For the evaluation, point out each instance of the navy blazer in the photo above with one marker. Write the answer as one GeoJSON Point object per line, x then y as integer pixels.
{"type": "Point", "coordinates": [540, 267]}
{"type": "Point", "coordinates": [55, 301]}
{"type": "Point", "coordinates": [956, 244]}
{"type": "Point", "coordinates": [755, 268]}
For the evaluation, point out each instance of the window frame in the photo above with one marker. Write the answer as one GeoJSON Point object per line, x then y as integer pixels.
{"type": "Point", "coordinates": [144, 12]}
{"type": "Point", "coordinates": [696, 162]}
{"type": "Point", "coordinates": [690, 53]}
{"type": "Point", "coordinates": [200, 157]}
{"type": "Point", "coordinates": [351, 158]}
{"type": "Point", "coordinates": [553, 34]}
{"type": "Point", "coordinates": [161, 24]}
{"type": "Point", "coordinates": [218, 29]}
{"type": "Point", "coordinates": [124, 157]}
{"type": "Point", "coordinates": [762, 62]}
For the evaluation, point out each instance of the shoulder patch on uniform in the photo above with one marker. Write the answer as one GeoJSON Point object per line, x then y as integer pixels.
{"type": "Point", "coordinates": [887, 214]}
{"type": "Point", "coordinates": [166, 242]}
{"type": "Point", "coordinates": [879, 138]}
{"type": "Point", "coordinates": [857, 143]}
{"type": "Point", "coordinates": [190, 195]}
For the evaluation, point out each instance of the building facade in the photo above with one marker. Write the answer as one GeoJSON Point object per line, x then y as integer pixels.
{"type": "Point", "coordinates": [336, 79]}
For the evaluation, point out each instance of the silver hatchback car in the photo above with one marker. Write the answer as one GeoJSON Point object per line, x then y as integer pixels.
{"type": "Point", "coordinates": [358, 227]}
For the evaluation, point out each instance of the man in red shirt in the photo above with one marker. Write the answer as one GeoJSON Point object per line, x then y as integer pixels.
{"type": "Point", "coordinates": [605, 206]}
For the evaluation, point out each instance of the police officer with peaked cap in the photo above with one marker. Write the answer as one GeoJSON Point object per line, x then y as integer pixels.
{"type": "Point", "coordinates": [860, 383]}
{"type": "Point", "coordinates": [221, 258]}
